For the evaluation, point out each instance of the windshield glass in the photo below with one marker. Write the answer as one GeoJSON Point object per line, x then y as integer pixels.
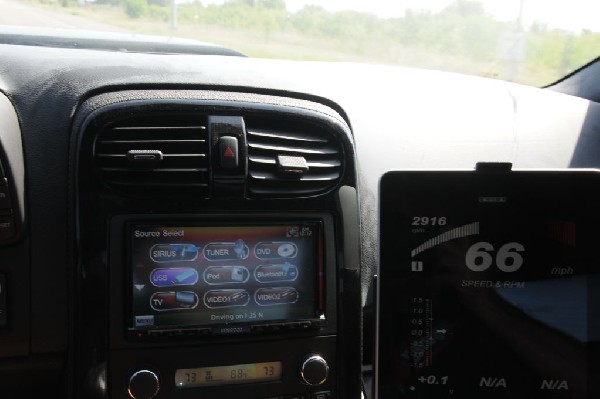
{"type": "Point", "coordinates": [534, 42]}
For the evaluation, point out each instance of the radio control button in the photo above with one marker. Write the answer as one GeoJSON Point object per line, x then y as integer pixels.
{"type": "Point", "coordinates": [321, 395]}
{"type": "Point", "coordinates": [143, 384]}
{"type": "Point", "coordinates": [314, 370]}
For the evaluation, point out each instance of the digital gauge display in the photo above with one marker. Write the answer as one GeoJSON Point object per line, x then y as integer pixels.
{"type": "Point", "coordinates": [226, 375]}
{"type": "Point", "coordinates": [225, 278]}
{"type": "Point", "coordinates": [489, 285]}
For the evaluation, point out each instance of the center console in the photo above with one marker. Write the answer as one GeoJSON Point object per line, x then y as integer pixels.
{"type": "Point", "coordinates": [255, 294]}
{"type": "Point", "coordinates": [216, 257]}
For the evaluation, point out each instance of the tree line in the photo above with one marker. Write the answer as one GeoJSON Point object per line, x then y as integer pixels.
{"type": "Point", "coordinates": [463, 30]}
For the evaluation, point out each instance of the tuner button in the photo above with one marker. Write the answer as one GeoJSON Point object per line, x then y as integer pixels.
{"type": "Point", "coordinates": [143, 384]}
{"type": "Point", "coordinates": [314, 370]}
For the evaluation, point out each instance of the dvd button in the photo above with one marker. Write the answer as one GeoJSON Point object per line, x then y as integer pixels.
{"type": "Point", "coordinates": [226, 298]}
{"type": "Point", "coordinates": [275, 296]}
{"type": "Point", "coordinates": [275, 250]}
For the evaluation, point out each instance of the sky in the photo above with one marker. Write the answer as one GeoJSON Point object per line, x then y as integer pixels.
{"type": "Point", "coordinates": [573, 15]}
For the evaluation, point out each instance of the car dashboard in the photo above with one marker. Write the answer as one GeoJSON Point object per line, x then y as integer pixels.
{"type": "Point", "coordinates": [189, 225]}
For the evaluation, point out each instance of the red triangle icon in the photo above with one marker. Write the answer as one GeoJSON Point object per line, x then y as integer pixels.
{"type": "Point", "coordinates": [229, 153]}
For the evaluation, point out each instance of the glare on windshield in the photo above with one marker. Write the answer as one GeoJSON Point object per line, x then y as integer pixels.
{"type": "Point", "coordinates": [527, 41]}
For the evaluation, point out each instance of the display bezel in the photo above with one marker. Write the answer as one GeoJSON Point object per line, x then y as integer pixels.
{"type": "Point", "coordinates": [397, 187]}
{"type": "Point", "coordinates": [324, 320]}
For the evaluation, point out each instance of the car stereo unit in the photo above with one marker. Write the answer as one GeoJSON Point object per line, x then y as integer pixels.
{"type": "Point", "coordinates": [203, 305]}
{"type": "Point", "coordinates": [225, 278]}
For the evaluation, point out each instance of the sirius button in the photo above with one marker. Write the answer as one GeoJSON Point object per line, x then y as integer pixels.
{"type": "Point", "coordinates": [162, 253]}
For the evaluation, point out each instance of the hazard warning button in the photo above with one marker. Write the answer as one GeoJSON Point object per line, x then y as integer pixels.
{"type": "Point", "coordinates": [228, 152]}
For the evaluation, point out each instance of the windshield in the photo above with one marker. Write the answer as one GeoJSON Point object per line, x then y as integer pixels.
{"type": "Point", "coordinates": [534, 42]}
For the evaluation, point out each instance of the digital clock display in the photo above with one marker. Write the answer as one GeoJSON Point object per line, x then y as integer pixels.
{"type": "Point", "coordinates": [489, 285]}
{"type": "Point", "coordinates": [227, 375]}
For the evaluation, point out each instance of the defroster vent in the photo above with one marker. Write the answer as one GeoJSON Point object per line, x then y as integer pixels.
{"type": "Point", "coordinates": [160, 153]}
{"type": "Point", "coordinates": [292, 159]}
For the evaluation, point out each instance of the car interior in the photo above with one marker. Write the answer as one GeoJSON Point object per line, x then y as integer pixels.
{"type": "Point", "coordinates": [182, 221]}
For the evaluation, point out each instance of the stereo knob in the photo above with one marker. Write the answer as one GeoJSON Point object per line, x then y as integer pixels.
{"type": "Point", "coordinates": [143, 384]}
{"type": "Point", "coordinates": [314, 370]}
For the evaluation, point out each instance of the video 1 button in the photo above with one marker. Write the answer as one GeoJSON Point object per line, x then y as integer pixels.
{"type": "Point", "coordinates": [275, 296]}
{"type": "Point", "coordinates": [226, 298]}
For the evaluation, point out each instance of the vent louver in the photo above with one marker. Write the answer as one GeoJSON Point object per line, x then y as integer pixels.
{"type": "Point", "coordinates": [312, 146]}
{"type": "Point", "coordinates": [155, 154]}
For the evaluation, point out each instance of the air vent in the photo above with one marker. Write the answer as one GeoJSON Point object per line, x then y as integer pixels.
{"type": "Point", "coordinates": [292, 159]}
{"type": "Point", "coordinates": [155, 154]}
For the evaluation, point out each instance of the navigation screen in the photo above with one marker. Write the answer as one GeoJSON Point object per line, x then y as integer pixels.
{"type": "Point", "coordinates": [489, 285]}
{"type": "Point", "coordinates": [187, 276]}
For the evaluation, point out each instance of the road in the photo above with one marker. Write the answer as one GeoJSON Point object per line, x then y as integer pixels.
{"type": "Point", "coordinates": [19, 13]}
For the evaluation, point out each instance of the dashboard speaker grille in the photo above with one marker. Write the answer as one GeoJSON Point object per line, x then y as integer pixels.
{"type": "Point", "coordinates": [313, 147]}
{"type": "Point", "coordinates": [154, 152]}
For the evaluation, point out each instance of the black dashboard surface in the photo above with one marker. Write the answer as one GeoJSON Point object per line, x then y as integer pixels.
{"type": "Point", "coordinates": [401, 119]}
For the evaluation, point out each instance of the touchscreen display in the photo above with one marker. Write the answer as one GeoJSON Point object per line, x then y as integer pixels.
{"type": "Point", "coordinates": [488, 285]}
{"type": "Point", "coordinates": [188, 276]}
